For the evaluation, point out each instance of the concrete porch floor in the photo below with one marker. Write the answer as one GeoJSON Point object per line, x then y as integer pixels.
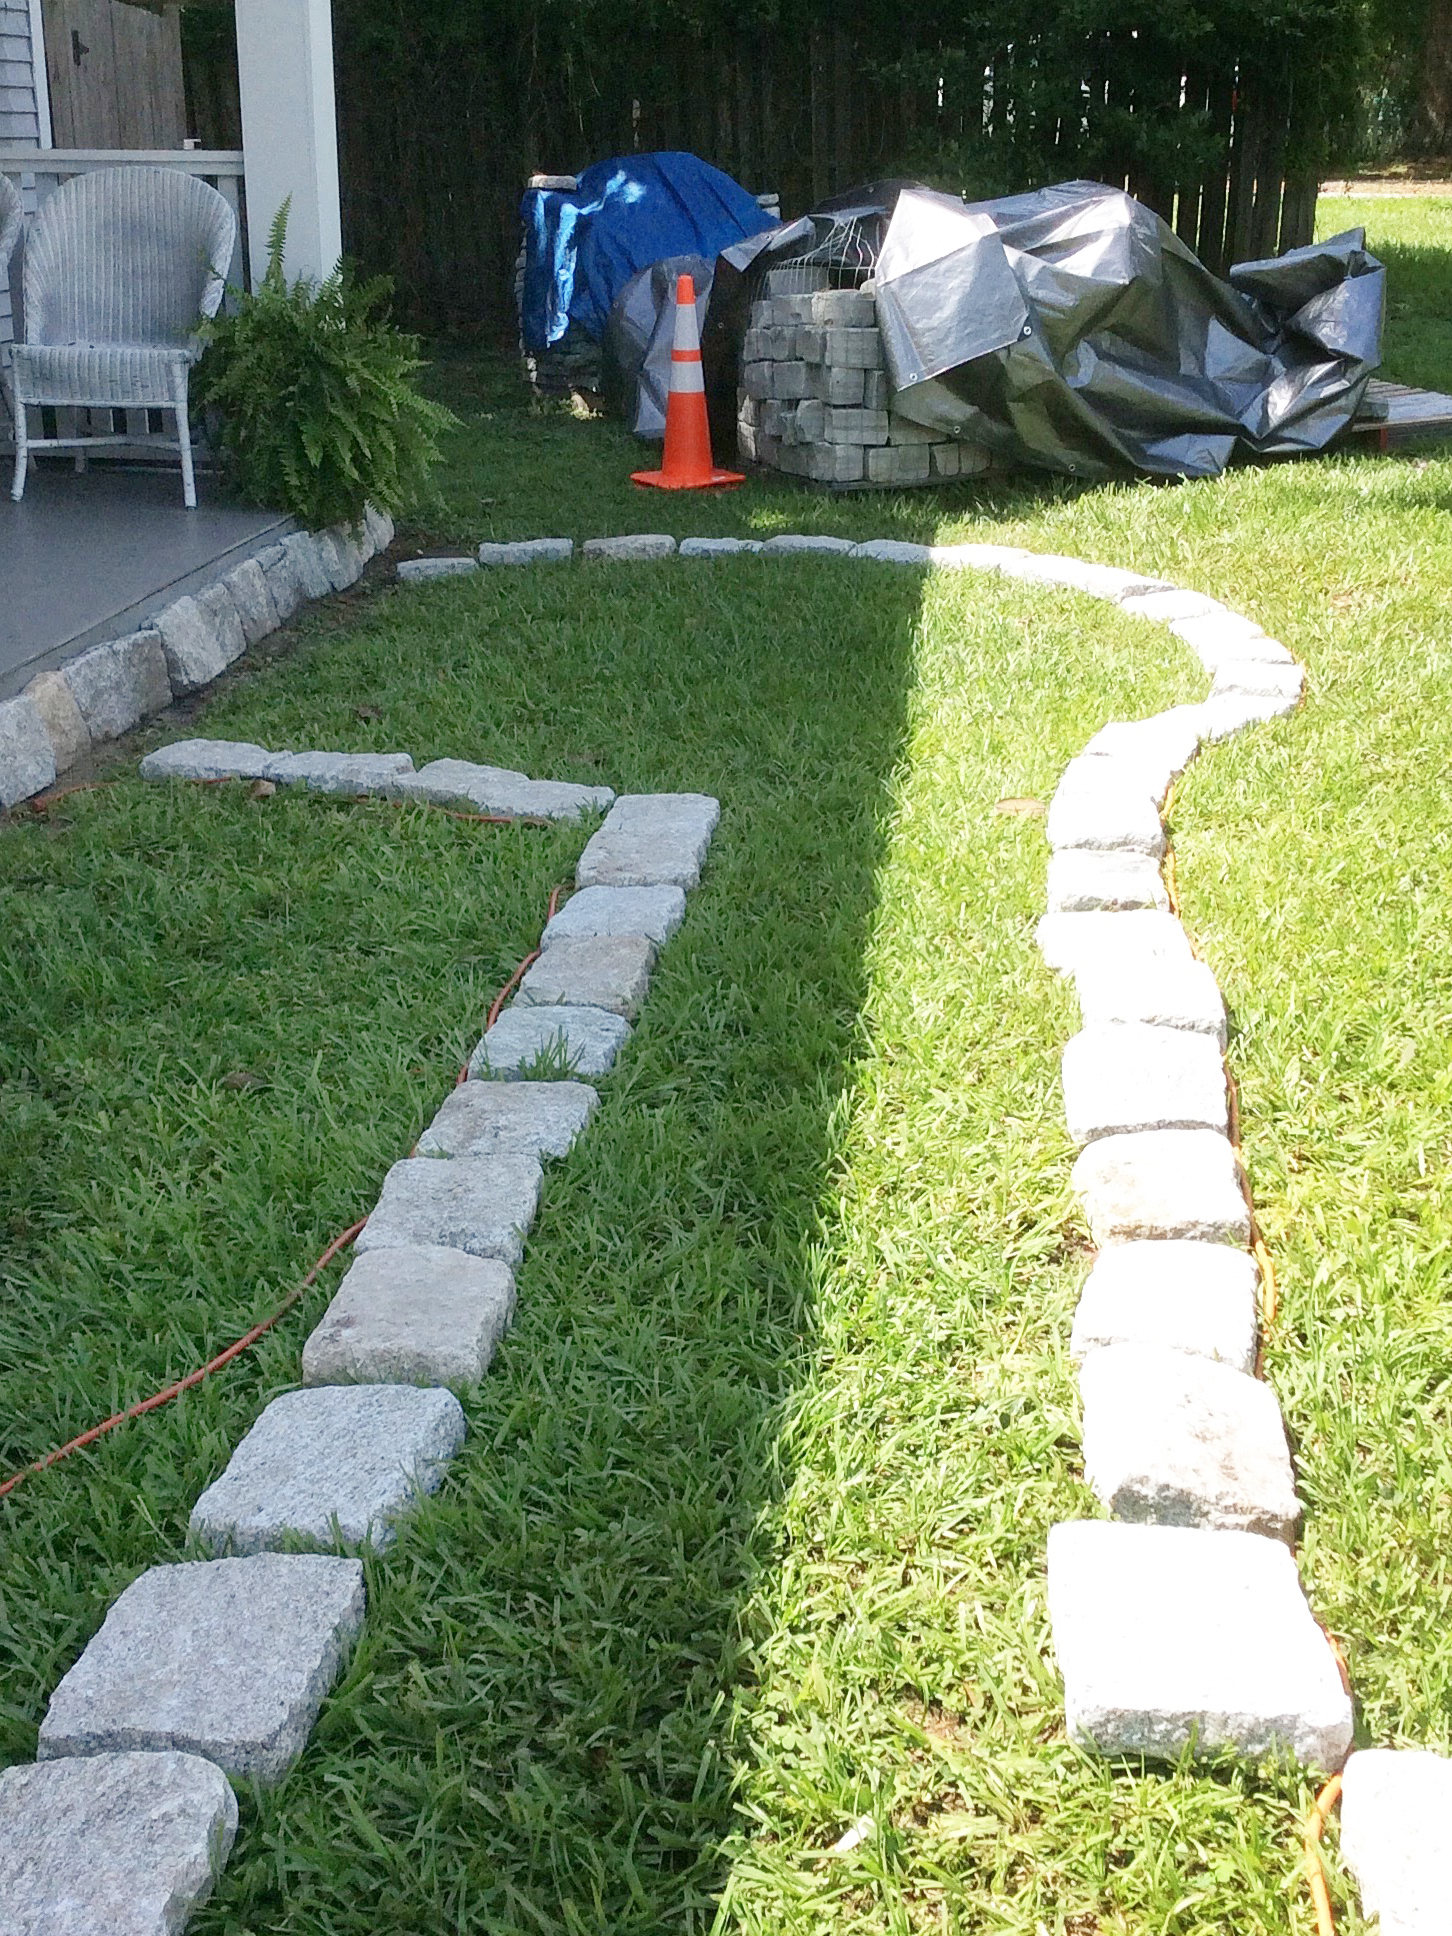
{"type": "Point", "coordinates": [91, 557]}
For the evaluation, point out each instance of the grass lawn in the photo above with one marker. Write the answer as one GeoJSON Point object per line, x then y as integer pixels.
{"type": "Point", "coordinates": [747, 1542]}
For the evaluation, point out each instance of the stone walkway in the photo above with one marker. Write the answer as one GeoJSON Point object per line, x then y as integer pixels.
{"type": "Point", "coordinates": [1179, 1620]}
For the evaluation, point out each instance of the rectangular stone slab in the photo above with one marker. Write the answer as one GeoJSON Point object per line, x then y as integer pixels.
{"type": "Point", "coordinates": [483, 1207]}
{"type": "Point", "coordinates": [1156, 990]}
{"type": "Point", "coordinates": [610, 971]}
{"type": "Point", "coordinates": [582, 1041]}
{"type": "Point", "coordinates": [208, 759]}
{"type": "Point", "coordinates": [1396, 1804]}
{"type": "Point", "coordinates": [1168, 1635]}
{"type": "Point", "coordinates": [229, 1659]}
{"type": "Point", "coordinates": [1162, 1183]}
{"type": "Point", "coordinates": [339, 1461]}
{"type": "Point", "coordinates": [655, 912]}
{"type": "Point", "coordinates": [1123, 1076]}
{"type": "Point", "coordinates": [1072, 942]}
{"type": "Point", "coordinates": [1173, 1440]}
{"type": "Point", "coordinates": [1082, 880]}
{"type": "Point", "coordinates": [1093, 809]}
{"type": "Point", "coordinates": [342, 773]}
{"type": "Point", "coordinates": [1200, 1298]}
{"type": "Point", "coordinates": [650, 840]}
{"type": "Point", "coordinates": [510, 1119]}
{"type": "Point", "coordinates": [111, 1844]}
{"type": "Point", "coordinates": [420, 1314]}
{"type": "Point", "coordinates": [498, 789]}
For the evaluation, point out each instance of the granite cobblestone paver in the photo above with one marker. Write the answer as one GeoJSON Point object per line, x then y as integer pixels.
{"type": "Point", "coordinates": [417, 1314]}
{"type": "Point", "coordinates": [1156, 990]}
{"type": "Point", "coordinates": [1173, 1439]}
{"type": "Point", "coordinates": [528, 551]}
{"type": "Point", "coordinates": [1082, 881]}
{"type": "Point", "coordinates": [485, 1207]}
{"type": "Point", "coordinates": [69, 736]}
{"type": "Point", "coordinates": [1124, 1076]}
{"type": "Point", "coordinates": [228, 1659]}
{"type": "Point", "coordinates": [577, 1041]}
{"type": "Point", "coordinates": [119, 684]}
{"type": "Point", "coordinates": [541, 1119]}
{"type": "Point", "coordinates": [650, 840]}
{"type": "Point", "coordinates": [1182, 1296]}
{"type": "Point", "coordinates": [655, 912]}
{"type": "Point", "coordinates": [111, 1844]}
{"type": "Point", "coordinates": [1162, 1183]}
{"type": "Point", "coordinates": [1176, 1637]}
{"type": "Point", "coordinates": [340, 1460]}
{"type": "Point", "coordinates": [609, 971]}
{"type": "Point", "coordinates": [1396, 1807]}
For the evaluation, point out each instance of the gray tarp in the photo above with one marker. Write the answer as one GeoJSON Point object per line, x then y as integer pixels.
{"type": "Point", "coordinates": [1071, 329]}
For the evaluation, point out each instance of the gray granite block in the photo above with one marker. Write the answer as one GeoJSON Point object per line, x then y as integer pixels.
{"type": "Point", "coordinates": [1175, 1637]}
{"type": "Point", "coordinates": [1163, 1183]}
{"type": "Point", "coordinates": [283, 584]}
{"type": "Point", "coordinates": [1217, 632]}
{"type": "Point", "coordinates": [119, 684]}
{"type": "Point", "coordinates": [791, 542]}
{"type": "Point", "coordinates": [1177, 994]}
{"type": "Point", "coordinates": [1200, 1298]}
{"type": "Point", "coordinates": [484, 1208]}
{"type": "Point", "coordinates": [1171, 1439]}
{"type": "Point", "coordinates": [655, 912]}
{"type": "Point", "coordinates": [111, 1844]}
{"type": "Point", "coordinates": [307, 563]}
{"type": "Point", "coordinates": [610, 971]}
{"type": "Point", "coordinates": [218, 611]}
{"type": "Point", "coordinates": [1123, 1076]}
{"type": "Point", "coordinates": [498, 789]}
{"type": "Point", "coordinates": [1225, 714]}
{"type": "Point", "coordinates": [1396, 1804]}
{"type": "Point", "coordinates": [379, 526]}
{"type": "Point", "coordinates": [1077, 574]}
{"type": "Point", "coordinates": [1072, 943]}
{"type": "Point", "coordinates": [650, 840]}
{"type": "Point", "coordinates": [1258, 679]}
{"type": "Point", "coordinates": [342, 773]}
{"type": "Point", "coordinates": [70, 740]}
{"type": "Point", "coordinates": [893, 551]}
{"type": "Point", "coordinates": [528, 551]}
{"type": "Point", "coordinates": [194, 653]}
{"type": "Point", "coordinates": [419, 1314]}
{"type": "Point", "coordinates": [976, 557]}
{"type": "Point", "coordinates": [341, 556]}
{"type": "Point", "coordinates": [1094, 807]}
{"type": "Point", "coordinates": [416, 571]}
{"type": "Point", "coordinates": [633, 549]}
{"type": "Point", "coordinates": [229, 1659]}
{"type": "Point", "coordinates": [252, 597]}
{"type": "Point", "coordinates": [208, 759]}
{"type": "Point", "coordinates": [1082, 881]}
{"type": "Point", "coordinates": [341, 1461]}
{"type": "Point", "coordinates": [1166, 605]}
{"type": "Point", "coordinates": [1172, 736]}
{"type": "Point", "coordinates": [510, 1119]}
{"type": "Point", "coordinates": [577, 1041]}
{"type": "Point", "coordinates": [717, 547]}
{"type": "Point", "coordinates": [27, 759]}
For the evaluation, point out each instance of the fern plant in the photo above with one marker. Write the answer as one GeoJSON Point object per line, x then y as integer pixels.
{"type": "Point", "coordinates": [312, 395]}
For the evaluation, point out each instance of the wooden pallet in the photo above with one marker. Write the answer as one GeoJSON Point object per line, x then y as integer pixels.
{"type": "Point", "coordinates": [1393, 414]}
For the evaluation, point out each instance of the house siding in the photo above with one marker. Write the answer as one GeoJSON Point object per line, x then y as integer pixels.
{"type": "Point", "coordinates": [19, 105]}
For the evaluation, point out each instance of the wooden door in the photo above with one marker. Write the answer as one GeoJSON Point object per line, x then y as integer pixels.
{"type": "Point", "coordinates": [115, 75]}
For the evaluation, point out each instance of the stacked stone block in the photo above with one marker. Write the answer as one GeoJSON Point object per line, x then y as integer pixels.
{"type": "Point", "coordinates": [814, 398]}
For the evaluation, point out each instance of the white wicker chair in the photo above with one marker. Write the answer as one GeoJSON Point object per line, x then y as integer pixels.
{"type": "Point", "coordinates": [120, 268]}
{"type": "Point", "coordinates": [12, 213]}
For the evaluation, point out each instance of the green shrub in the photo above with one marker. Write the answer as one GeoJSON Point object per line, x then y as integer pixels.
{"type": "Point", "coordinates": [312, 397]}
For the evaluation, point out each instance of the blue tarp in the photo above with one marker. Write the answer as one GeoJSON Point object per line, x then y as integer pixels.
{"type": "Point", "coordinates": [583, 245]}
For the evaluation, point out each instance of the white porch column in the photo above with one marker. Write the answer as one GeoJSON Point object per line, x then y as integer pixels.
{"type": "Point", "coordinates": [290, 130]}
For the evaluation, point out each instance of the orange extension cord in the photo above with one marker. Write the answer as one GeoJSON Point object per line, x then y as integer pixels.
{"type": "Point", "coordinates": [1269, 1305]}
{"type": "Point", "coordinates": [340, 1242]}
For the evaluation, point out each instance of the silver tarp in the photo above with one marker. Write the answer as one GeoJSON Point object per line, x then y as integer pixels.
{"type": "Point", "coordinates": [1071, 329]}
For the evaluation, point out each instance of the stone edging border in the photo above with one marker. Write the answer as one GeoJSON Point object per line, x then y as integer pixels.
{"type": "Point", "coordinates": [110, 688]}
{"type": "Point", "coordinates": [1180, 1625]}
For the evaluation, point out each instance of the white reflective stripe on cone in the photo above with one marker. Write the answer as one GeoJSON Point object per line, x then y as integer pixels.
{"type": "Point", "coordinates": [687, 333]}
{"type": "Point", "coordinates": [686, 376]}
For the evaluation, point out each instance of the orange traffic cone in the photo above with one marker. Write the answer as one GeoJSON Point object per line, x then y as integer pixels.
{"type": "Point", "coordinates": [687, 465]}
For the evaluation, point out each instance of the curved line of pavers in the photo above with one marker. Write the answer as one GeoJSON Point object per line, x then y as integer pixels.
{"type": "Point", "coordinates": [110, 688]}
{"type": "Point", "coordinates": [1179, 1624]}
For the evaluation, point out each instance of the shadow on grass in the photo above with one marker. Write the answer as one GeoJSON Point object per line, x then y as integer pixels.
{"type": "Point", "coordinates": [531, 1735]}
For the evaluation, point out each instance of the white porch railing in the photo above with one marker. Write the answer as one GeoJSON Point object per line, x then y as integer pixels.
{"type": "Point", "coordinates": [38, 172]}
